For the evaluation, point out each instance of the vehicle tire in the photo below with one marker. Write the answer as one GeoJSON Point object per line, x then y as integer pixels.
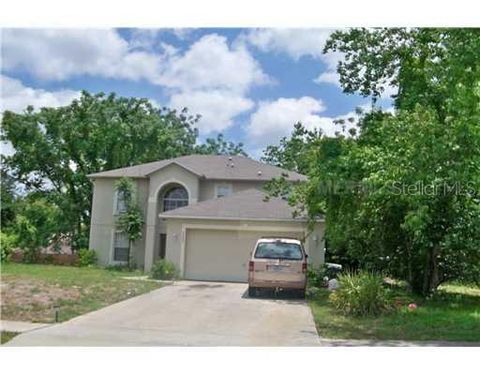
{"type": "Point", "coordinates": [252, 292]}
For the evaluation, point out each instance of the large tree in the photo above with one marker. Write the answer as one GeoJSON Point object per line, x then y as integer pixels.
{"type": "Point", "coordinates": [55, 148]}
{"type": "Point", "coordinates": [403, 196]}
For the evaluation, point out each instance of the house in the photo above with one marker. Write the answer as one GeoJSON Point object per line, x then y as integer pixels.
{"type": "Point", "coordinates": [202, 212]}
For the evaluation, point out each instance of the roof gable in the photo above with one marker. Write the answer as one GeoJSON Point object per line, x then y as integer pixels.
{"type": "Point", "coordinates": [248, 204]}
{"type": "Point", "coordinates": [215, 167]}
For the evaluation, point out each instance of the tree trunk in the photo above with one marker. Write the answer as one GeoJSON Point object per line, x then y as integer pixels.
{"type": "Point", "coordinates": [431, 277]}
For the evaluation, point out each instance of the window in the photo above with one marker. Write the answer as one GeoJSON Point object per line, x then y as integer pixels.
{"type": "Point", "coordinates": [279, 250]}
{"type": "Point", "coordinates": [175, 198]}
{"type": "Point", "coordinates": [121, 202]}
{"type": "Point", "coordinates": [163, 245]}
{"type": "Point", "coordinates": [223, 190]}
{"type": "Point", "coordinates": [120, 247]}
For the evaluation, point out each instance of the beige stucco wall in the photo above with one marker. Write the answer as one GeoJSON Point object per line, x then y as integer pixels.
{"type": "Point", "coordinates": [207, 187]}
{"type": "Point", "coordinates": [177, 235]}
{"type": "Point", "coordinates": [172, 174]}
{"type": "Point", "coordinates": [103, 220]}
{"type": "Point", "coordinates": [146, 249]}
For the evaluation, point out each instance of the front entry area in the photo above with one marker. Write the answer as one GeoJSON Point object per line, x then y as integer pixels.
{"type": "Point", "coordinates": [222, 255]}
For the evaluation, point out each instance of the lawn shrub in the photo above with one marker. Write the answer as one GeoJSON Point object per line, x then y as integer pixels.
{"type": "Point", "coordinates": [362, 294]}
{"type": "Point", "coordinates": [316, 275]}
{"type": "Point", "coordinates": [164, 270]}
{"type": "Point", "coordinates": [86, 257]}
{"type": "Point", "coordinates": [7, 244]}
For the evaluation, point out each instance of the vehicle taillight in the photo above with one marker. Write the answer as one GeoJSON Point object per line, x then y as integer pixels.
{"type": "Point", "coordinates": [250, 266]}
{"type": "Point", "coordinates": [304, 267]}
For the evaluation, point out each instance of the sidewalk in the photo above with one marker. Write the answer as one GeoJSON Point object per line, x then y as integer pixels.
{"type": "Point", "coordinates": [20, 327]}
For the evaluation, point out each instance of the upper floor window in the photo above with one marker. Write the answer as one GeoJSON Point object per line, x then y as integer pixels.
{"type": "Point", "coordinates": [223, 190]}
{"type": "Point", "coordinates": [175, 198]}
{"type": "Point", "coordinates": [121, 202]}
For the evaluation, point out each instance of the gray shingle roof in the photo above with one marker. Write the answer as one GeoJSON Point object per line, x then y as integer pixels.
{"type": "Point", "coordinates": [246, 204]}
{"type": "Point", "coordinates": [217, 167]}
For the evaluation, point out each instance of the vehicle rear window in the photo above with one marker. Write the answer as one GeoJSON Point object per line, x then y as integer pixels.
{"type": "Point", "coordinates": [279, 250]}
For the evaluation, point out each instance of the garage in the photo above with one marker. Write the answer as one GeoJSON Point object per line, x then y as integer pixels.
{"type": "Point", "coordinates": [222, 255]}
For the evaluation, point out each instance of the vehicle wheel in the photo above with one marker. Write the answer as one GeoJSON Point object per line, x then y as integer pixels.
{"type": "Point", "coordinates": [301, 293]}
{"type": "Point", "coordinates": [252, 292]}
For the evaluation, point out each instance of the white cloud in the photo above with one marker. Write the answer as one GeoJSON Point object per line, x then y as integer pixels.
{"type": "Point", "coordinates": [58, 54]}
{"type": "Point", "coordinates": [212, 79]}
{"type": "Point", "coordinates": [275, 119]}
{"type": "Point", "coordinates": [210, 63]}
{"type": "Point", "coordinates": [298, 43]}
{"type": "Point", "coordinates": [218, 108]}
{"type": "Point", "coordinates": [16, 97]}
{"type": "Point", "coordinates": [209, 69]}
{"type": "Point", "coordinates": [294, 42]}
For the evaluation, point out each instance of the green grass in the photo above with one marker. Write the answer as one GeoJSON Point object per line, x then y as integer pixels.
{"type": "Point", "coordinates": [29, 291]}
{"type": "Point", "coordinates": [453, 314]}
{"type": "Point", "coordinates": [6, 336]}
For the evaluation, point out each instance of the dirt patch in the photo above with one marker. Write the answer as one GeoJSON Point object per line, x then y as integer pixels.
{"type": "Point", "coordinates": [31, 299]}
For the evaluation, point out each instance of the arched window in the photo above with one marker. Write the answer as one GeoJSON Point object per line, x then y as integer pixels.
{"type": "Point", "coordinates": [175, 197]}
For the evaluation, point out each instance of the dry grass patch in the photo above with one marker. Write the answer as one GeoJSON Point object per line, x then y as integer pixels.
{"type": "Point", "coordinates": [30, 292]}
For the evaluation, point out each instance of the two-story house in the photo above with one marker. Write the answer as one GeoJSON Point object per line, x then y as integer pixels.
{"type": "Point", "coordinates": [202, 212]}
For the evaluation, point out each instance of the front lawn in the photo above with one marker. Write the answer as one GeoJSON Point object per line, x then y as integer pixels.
{"type": "Point", "coordinates": [6, 336]}
{"type": "Point", "coordinates": [453, 315]}
{"type": "Point", "coordinates": [29, 291]}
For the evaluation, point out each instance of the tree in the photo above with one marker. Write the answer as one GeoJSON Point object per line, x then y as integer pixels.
{"type": "Point", "coordinates": [403, 195]}
{"type": "Point", "coordinates": [433, 140]}
{"type": "Point", "coordinates": [220, 146]}
{"type": "Point", "coordinates": [35, 226]}
{"type": "Point", "coordinates": [8, 198]}
{"type": "Point", "coordinates": [56, 148]}
{"type": "Point", "coordinates": [131, 221]}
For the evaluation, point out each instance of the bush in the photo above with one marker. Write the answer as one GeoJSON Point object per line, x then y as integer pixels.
{"type": "Point", "coordinates": [316, 275]}
{"type": "Point", "coordinates": [361, 294]}
{"type": "Point", "coordinates": [86, 257]}
{"type": "Point", "coordinates": [7, 244]}
{"type": "Point", "coordinates": [164, 270]}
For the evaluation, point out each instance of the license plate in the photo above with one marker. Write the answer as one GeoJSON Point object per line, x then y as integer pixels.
{"type": "Point", "coordinates": [275, 268]}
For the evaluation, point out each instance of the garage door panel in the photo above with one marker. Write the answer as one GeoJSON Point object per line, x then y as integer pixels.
{"type": "Point", "coordinates": [221, 255]}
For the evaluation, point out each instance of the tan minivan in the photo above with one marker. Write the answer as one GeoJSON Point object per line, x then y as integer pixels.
{"type": "Point", "coordinates": [279, 263]}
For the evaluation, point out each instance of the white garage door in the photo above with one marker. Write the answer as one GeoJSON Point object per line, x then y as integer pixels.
{"type": "Point", "coordinates": [221, 255]}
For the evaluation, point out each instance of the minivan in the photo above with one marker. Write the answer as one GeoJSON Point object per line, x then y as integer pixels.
{"type": "Point", "coordinates": [277, 263]}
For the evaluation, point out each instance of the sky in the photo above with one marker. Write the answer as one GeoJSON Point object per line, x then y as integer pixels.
{"type": "Point", "coordinates": [252, 85]}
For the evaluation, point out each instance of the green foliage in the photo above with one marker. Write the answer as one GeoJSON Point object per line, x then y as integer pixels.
{"type": "Point", "coordinates": [131, 221]}
{"type": "Point", "coordinates": [316, 275]}
{"type": "Point", "coordinates": [220, 146]}
{"type": "Point", "coordinates": [56, 148]}
{"type": "Point", "coordinates": [35, 226]}
{"type": "Point", "coordinates": [361, 294]}
{"type": "Point", "coordinates": [8, 197]}
{"type": "Point", "coordinates": [164, 270]}
{"type": "Point", "coordinates": [7, 244]}
{"type": "Point", "coordinates": [402, 196]}
{"type": "Point", "coordinates": [87, 257]}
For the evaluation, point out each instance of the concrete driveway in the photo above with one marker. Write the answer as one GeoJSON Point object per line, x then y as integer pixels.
{"type": "Point", "coordinates": [186, 314]}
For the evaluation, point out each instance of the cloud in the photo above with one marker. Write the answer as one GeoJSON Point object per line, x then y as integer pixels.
{"type": "Point", "coordinates": [209, 69]}
{"type": "Point", "coordinates": [275, 119]}
{"type": "Point", "coordinates": [16, 97]}
{"type": "Point", "coordinates": [294, 42]}
{"type": "Point", "coordinates": [210, 63]}
{"type": "Point", "coordinates": [59, 54]}
{"type": "Point", "coordinates": [218, 108]}
{"type": "Point", "coordinates": [213, 79]}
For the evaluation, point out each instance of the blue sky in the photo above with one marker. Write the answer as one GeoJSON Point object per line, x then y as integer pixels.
{"type": "Point", "coordinates": [250, 84]}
